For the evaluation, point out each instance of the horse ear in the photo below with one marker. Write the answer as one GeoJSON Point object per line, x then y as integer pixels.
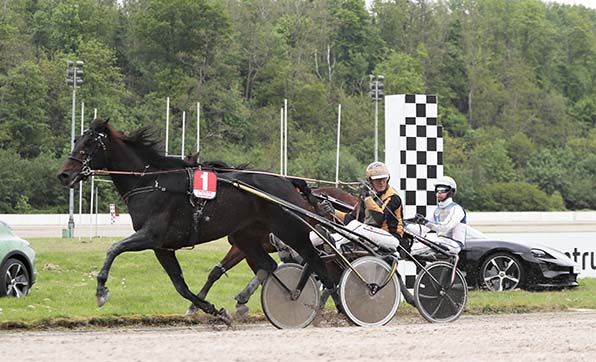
{"type": "Point", "coordinates": [99, 124]}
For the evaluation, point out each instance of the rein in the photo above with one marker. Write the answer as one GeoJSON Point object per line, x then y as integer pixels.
{"type": "Point", "coordinates": [140, 190]}
{"type": "Point", "coordinates": [218, 169]}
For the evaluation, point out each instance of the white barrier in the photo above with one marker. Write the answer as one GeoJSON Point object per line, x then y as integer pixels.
{"type": "Point", "coordinates": [54, 225]}
{"type": "Point", "coordinates": [483, 221]}
{"type": "Point", "coordinates": [533, 221]}
{"type": "Point", "coordinates": [573, 233]}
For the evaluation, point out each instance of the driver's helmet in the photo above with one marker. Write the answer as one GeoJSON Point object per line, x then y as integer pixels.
{"type": "Point", "coordinates": [377, 170]}
{"type": "Point", "coordinates": [447, 181]}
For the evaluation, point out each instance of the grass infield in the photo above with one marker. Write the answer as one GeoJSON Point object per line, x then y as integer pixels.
{"type": "Point", "coordinates": [141, 293]}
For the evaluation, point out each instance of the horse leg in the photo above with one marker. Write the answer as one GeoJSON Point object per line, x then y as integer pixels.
{"type": "Point", "coordinates": [286, 254]}
{"type": "Point", "coordinates": [310, 256]}
{"type": "Point", "coordinates": [273, 244]}
{"type": "Point", "coordinates": [136, 242]}
{"type": "Point", "coordinates": [252, 241]}
{"type": "Point", "coordinates": [243, 297]}
{"type": "Point", "coordinates": [232, 258]}
{"type": "Point", "coordinates": [317, 266]}
{"type": "Point", "coordinates": [249, 240]}
{"type": "Point", "coordinates": [167, 259]}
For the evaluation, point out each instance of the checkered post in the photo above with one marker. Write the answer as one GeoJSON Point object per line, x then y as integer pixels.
{"type": "Point", "coordinates": [413, 150]}
{"type": "Point", "coordinates": [414, 156]}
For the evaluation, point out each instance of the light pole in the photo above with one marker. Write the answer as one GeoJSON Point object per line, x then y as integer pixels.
{"type": "Point", "coordinates": [376, 93]}
{"type": "Point", "coordinates": [74, 78]}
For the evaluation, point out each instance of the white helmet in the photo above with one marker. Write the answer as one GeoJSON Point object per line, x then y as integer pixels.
{"type": "Point", "coordinates": [446, 181]}
{"type": "Point", "coordinates": [377, 170]}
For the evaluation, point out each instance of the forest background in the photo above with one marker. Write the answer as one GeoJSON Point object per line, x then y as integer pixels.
{"type": "Point", "coordinates": [515, 79]}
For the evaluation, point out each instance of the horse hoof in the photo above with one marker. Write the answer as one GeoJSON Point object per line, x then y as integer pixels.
{"type": "Point", "coordinates": [241, 311]}
{"type": "Point", "coordinates": [225, 317]}
{"type": "Point", "coordinates": [192, 310]}
{"type": "Point", "coordinates": [102, 297]}
{"type": "Point", "coordinates": [317, 322]}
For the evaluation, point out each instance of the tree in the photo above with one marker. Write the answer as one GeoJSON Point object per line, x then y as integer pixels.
{"type": "Point", "coordinates": [15, 44]}
{"type": "Point", "coordinates": [174, 42]}
{"type": "Point", "coordinates": [403, 74]}
{"type": "Point", "coordinates": [22, 101]}
{"type": "Point", "coordinates": [356, 44]}
{"type": "Point", "coordinates": [103, 86]}
{"type": "Point", "coordinates": [548, 169]}
{"type": "Point", "coordinates": [518, 196]}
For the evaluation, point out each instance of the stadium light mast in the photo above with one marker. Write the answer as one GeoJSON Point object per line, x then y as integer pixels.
{"type": "Point", "coordinates": [377, 94]}
{"type": "Point", "coordinates": [74, 78]}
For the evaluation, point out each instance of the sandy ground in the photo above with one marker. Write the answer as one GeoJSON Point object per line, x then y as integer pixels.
{"type": "Point", "coordinates": [569, 337]}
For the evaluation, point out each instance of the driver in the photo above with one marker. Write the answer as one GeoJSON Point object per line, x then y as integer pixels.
{"type": "Point", "coordinates": [382, 210]}
{"type": "Point", "coordinates": [449, 221]}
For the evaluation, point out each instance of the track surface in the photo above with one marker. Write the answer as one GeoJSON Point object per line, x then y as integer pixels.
{"type": "Point", "coordinates": [569, 337]}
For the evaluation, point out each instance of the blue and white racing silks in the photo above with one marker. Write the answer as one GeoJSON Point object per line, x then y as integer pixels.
{"type": "Point", "coordinates": [449, 221]}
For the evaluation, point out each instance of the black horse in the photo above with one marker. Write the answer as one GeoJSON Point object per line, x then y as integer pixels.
{"type": "Point", "coordinates": [166, 218]}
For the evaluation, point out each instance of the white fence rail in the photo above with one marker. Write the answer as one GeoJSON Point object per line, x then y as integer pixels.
{"type": "Point", "coordinates": [51, 225]}
{"type": "Point", "coordinates": [573, 233]}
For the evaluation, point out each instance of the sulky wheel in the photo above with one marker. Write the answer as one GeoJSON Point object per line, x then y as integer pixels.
{"type": "Point", "coordinates": [373, 302]}
{"type": "Point", "coordinates": [280, 308]}
{"type": "Point", "coordinates": [436, 298]}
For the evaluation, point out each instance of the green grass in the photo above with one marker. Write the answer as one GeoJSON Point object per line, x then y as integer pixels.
{"type": "Point", "coordinates": [141, 292]}
{"type": "Point", "coordinates": [521, 301]}
{"type": "Point", "coordinates": [66, 282]}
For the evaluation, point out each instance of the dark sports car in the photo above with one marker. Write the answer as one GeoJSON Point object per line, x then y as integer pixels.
{"type": "Point", "coordinates": [505, 265]}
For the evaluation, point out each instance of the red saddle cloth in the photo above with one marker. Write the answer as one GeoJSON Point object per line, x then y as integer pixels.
{"type": "Point", "coordinates": [204, 184]}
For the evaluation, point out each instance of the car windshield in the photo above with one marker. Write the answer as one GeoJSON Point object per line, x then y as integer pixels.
{"type": "Point", "coordinates": [5, 230]}
{"type": "Point", "coordinates": [473, 234]}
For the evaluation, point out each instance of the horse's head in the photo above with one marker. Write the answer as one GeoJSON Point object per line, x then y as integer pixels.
{"type": "Point", "coordinates": [89, 153]}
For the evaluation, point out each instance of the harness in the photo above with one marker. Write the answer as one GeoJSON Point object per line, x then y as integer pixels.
{"type": "Point", "coordinates": [86, 171]}
{"type": "Point", "coordinates": [167, 183]}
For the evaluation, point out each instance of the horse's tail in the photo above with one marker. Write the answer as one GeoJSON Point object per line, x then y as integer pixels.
{"type": "Point", "coordinates": [302, 187]}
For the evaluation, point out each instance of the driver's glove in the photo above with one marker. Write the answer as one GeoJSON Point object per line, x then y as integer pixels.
{"type": "Point", "coordinates": [420, 219]}
{"type": "Point", "coordinates": [327, 208]}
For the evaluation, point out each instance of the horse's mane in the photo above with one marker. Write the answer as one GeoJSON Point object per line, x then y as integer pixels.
{"type": "Point", "coordinates": [146, 146]}
{"type": "Point", "coordinates": [144, 142]}
{"type": "Point", "coordinates": [219, 164]}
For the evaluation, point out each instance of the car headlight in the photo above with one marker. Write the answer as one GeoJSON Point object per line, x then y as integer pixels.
{"type": "Point", "coordinates": [539, 253]}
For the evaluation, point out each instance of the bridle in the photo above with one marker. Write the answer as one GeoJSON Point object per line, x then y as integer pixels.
{"type": "Point", "coordinates": [98, 141]}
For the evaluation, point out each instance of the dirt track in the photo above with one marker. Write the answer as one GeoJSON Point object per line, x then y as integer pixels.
{"type": "Point", "coordinates": [527, 337]}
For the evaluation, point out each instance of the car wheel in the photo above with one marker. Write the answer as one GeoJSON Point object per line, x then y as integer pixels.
{"type": "Point", "coordinates": [14, 279]}
{"type": "Point", "coordinates": [501, 271]}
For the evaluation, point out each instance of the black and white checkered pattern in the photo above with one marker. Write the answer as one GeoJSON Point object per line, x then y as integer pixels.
{"type": "Point", "coordinates": [407, 271]}
{"type": "Point", "coordinates": [413, 149]}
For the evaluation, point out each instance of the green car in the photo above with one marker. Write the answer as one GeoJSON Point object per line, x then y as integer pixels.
{"type": "Point", "coordinates": [17, 264]}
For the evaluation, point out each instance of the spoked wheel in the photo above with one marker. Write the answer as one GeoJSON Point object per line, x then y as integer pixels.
{"type": "Point", "coordinates": [283, 310]}
{"type": "Point", "coordinates": [366, 306]}
{"type": "Point", "coordinates": [14, 279]}
{"type": "Point", "coordinates": [436, 298]}
{"type": "Point", "coordinates": [501, 271]}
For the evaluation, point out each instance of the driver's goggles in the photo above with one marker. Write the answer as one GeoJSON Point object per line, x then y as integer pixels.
{"type": "Point", "coordinates": [442, 189]}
